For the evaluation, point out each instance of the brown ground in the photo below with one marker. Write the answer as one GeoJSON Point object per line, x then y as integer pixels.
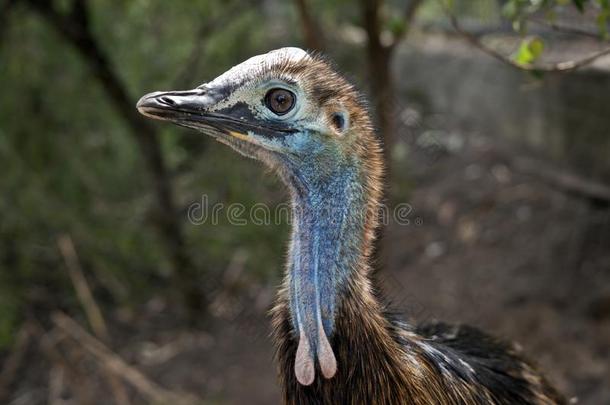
{"type": "Point", "coordinates": [486, 245]}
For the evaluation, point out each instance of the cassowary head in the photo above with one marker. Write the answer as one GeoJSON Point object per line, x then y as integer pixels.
{"type": "Point", "coordinates": [286, 108]}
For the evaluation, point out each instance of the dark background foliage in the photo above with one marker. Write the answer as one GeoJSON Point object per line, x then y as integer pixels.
{"type": "Point", "coordinates": [495, 120]}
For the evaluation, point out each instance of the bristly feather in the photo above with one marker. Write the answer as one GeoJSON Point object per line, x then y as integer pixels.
{"type": "Point", "coordinates": [383, 361]}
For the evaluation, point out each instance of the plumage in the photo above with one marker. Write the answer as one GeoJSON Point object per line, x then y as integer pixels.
{"type": "Point", "coordinates": [336, 341]}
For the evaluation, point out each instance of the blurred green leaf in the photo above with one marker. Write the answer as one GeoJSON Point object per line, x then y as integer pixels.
{"type": "Point", "coordinates": [529, 51]}
{"type": "Point", "coordinates": [396, 25]}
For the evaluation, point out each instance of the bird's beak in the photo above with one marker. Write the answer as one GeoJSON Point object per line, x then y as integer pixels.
{"type": "Point", "coordinates": [173, 105]}
{"type": "Point", "coordinates": [199, 109]}
{"type": "Point", "coordinates": [193, 109]}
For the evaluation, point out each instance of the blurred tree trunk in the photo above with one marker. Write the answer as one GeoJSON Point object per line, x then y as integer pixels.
{"type": "Point", "coordinates": [379, 59]}
{"type": "Point", "coordinates": [312, 33]}
{"type": "Point", "coordinates": [74, 27]}
{"type": "Point", "coordinates": [383, 89]}
{"type": "Point", "coordinates": [379, 75]}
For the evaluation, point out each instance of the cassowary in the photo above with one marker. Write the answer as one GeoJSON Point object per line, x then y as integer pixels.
{"type": "Point", "coordinates": [336, 341]}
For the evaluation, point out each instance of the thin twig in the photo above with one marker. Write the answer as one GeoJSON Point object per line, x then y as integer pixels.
{"type": "Point", "coordinates": [158, 354]}
{"type": "Point", "coordinates": [92, 310]}
{"type": "Point", "coordinates": [14, 360]}
{"type": "Point", "coordinates": [565, 181]}
{"type": "Point", "coordinates": [56, 385]}
{"type": "Point", "coordinates": [116, 365]}
{"type": "Point", "coordinates": [49, 345]}
{"type": "Point", "coordinates": [560, 67]}
{"type": "Point", "coordinates": [565, 29]}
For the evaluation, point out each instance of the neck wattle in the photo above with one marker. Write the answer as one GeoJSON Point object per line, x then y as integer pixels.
{"type": "Point", "coordinates": [328, 223]}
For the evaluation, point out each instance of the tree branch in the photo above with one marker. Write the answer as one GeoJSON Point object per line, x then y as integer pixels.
{"type": "Point", "coordinates": [408, 17]}
{"type": "Point", "coordinates": [381, 86]}
{"type": "Point", "coordinates": [561, 67]}
{"type": "Point", "coordinates": [565, 181]}
{"type": "Point", "coordinates": [371, 22]}
{"type": "Point", "coordinates": [565, 29]}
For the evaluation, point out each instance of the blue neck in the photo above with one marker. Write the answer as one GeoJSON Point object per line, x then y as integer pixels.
{"type": "Point", "coordinates": [328, 215]}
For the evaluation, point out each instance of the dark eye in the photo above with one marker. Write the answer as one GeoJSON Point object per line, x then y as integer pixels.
{"type": "Point", "coordinates": [280, 101]}
{"type": "Point", "coordinates": [339, 122]}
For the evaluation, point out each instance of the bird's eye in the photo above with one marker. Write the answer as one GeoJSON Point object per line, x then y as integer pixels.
{"type": "Point", "coordinates": [280, 101]}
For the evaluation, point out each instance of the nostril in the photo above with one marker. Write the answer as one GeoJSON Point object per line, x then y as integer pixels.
{"type": "Point", "coordinates": [167, 100]}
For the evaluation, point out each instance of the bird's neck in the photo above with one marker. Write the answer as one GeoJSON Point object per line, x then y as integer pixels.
{"type": "Point", "coordinates": [332, 217]}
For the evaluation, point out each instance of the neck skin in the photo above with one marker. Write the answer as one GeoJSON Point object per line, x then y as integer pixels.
{"type": "Point", "coordinates": [329, 215]}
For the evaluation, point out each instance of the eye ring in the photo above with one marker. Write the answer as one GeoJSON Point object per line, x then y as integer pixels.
{"type": "Point", "coordinates": [280, 101]}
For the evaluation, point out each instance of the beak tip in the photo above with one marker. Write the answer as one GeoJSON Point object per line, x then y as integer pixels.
{"type": "Point", "coordinates": [147, 103]}
{"type": "Point", "coordinates": [146, 100]}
